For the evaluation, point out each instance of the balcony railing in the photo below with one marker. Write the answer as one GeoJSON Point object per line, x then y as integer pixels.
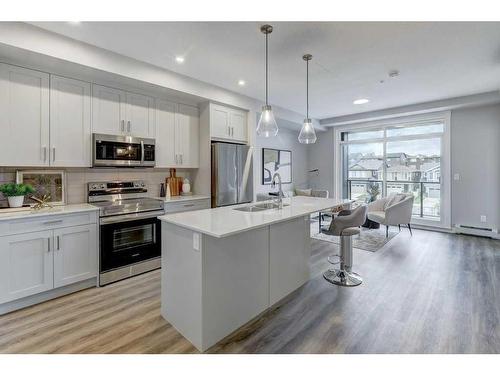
{"type": "Point", "coordinates": [427, 202]}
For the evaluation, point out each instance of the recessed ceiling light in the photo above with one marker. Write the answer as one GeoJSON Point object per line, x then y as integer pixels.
{"type": "Point", "coordinates": [360, 101]}
{"type": "Point", "coordinates": [74, 22]}
{"type": "Point", "coordinates": [393, 73]}
{"type": "Point", "coordinates": [179, 59]}
{"type": "Point", "coordinates": [242, 82]}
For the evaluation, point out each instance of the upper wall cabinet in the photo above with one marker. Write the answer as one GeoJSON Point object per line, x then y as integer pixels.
{"type": "Point", "coordinates": [24, 122]}
{"type": "Point", "coordinates": [177, 136]}
{"type": "Point", "coordinates": [70, 127]}
{"type": "Point", "coordinates": [140, 115]}
{"type": "Point", "coordinates": [228, 124]}
{"type": "Point", "coordinates": [120, 112]}
{"type": "Point", "coordinates": [188, 136]}
{"type": "Point", "coordinates": [166, 156]}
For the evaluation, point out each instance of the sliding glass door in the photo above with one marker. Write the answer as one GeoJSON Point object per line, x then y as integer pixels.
{"type": "Point", "coordinates": [395, 158]}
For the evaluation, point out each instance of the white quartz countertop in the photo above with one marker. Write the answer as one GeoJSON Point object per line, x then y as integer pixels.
{"type": "Point", "coordinates": [25, 212]}
{"type": "Point", "coordinates": [226, 221]}
{"type": "Point", "coordinates": [183, 198]}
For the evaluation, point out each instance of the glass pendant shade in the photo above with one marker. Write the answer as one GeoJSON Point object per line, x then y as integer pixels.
{"type": "Point", "coordinates": [307, 134]}
{"type": "Point", "coordinates": [267, 126]}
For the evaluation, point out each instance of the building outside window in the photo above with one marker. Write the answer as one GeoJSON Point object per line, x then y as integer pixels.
{"type": "Point", "coordinates": [404, 157]}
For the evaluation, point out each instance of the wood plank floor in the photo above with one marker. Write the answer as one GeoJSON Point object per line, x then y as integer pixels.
{"type": "Point", "coordinates": [430, 293]}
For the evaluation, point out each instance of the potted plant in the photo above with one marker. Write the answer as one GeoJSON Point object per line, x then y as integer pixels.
{"type": "Point", "coordinates": [373, 190]}
{"type": "Point", "coordinates": [15, 193]}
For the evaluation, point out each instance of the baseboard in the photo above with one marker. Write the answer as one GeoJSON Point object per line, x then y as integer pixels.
{"type": "Point", "coordinates": [432, 229]}
{"type": "Point", "coordinates": [45, 296]}
{"type": "Point", "coordinates": [476, 231]}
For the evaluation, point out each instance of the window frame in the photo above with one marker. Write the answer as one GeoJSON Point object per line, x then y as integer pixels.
{"type": "Point", "coordinates": [410, 120]}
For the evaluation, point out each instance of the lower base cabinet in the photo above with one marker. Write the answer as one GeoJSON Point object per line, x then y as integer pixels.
{"type": "Point", "coordinates": [32, 263]}
{"type": "Point", "coordinates": [26, 265]}
{"type": "Point", "coordinates": [75, 255]}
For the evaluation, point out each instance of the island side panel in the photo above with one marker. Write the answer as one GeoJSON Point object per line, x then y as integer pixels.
{"type": "Point", "coordinates": [235, 282]}
{"type": "Point", "coordinates": [181, 282]}
{"type": "Point", "coordinates": [289, 253]}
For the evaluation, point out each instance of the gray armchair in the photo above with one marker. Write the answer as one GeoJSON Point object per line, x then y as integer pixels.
{"type": "Point", "coordinates": [395, 209]}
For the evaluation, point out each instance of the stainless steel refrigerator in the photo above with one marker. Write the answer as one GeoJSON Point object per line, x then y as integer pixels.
{"type": "Point", "coordinates": [232, 174]}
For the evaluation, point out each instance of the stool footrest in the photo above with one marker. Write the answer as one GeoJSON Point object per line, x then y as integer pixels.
{"type": "Point", "coordinates": [334, 259]}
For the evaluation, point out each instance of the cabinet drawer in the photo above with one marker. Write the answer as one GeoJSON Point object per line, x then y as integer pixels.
{"type": "Point", "coordinates": [34, 224]}
{"type": "Point", "coordinates": [187, 206]}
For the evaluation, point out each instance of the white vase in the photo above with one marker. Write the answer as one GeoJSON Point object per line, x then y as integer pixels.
{"type": "Point", "coordinates": [16, 201]}
{"type": "Point", "coordinates": [186, 186]}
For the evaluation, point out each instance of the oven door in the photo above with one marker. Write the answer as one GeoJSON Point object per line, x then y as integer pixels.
{"type": "Point", "coordinates": [127, 242]}
{"type": "Point", "coordinates": [113, 153]}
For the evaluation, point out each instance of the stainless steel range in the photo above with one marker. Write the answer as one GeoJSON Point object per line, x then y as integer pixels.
{"type": "Point", "coordinates": [130, 233]}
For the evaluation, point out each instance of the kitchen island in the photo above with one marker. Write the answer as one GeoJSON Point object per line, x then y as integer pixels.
{"type": "Point", "coordinates": [222, 267]}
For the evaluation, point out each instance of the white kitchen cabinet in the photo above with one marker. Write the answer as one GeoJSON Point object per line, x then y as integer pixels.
{"type": "Point", "coordinates": [43, 257]}
{"type": "Point", "coordinates": [75, 255]}
{"type": "Point", "coordinates": [26, 265]}
{"type": "Point", "coordinates": [238, 123]}
{"type": "Point", "coordinates": [177, 136]}
{"type": "Point", "coordinates": [70, 123]}
{"type": "Point", "coordinates": [219, 122]}
{"type": "Point", "coordinates": [140, 115]}
{"type": "Point", "coordinates": [109, 110]}
{"type": "Point", "coordinates": [187, 137]}
{"type": "Point", "coordinates": [117, 111]}
{"type": "Point", "coordinates": [165, 134]}
{"type": "Point", "coordinates": [24, 123]}
{"type": "Point", "coordinates": [228, 124]}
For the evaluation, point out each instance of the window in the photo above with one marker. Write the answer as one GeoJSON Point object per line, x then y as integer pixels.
{"type": "Point", "coordinates": [395, 158]}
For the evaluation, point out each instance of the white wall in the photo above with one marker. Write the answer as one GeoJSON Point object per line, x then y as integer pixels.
{"type": "Point", "coordinates": [475, 156]}
{"type": "Point", "coordinates": [321, 156]}
{"type": "Point", "coordinates": [286, 140]}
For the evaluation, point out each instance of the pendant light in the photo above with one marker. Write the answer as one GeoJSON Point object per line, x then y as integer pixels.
{"type": "Point", "coordinates": [267, 126]}
{"type": "Point", "coordinates": [307, 134]}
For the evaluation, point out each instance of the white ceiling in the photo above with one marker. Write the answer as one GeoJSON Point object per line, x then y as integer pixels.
{"type": "Point", "coordinates": [435, 60]}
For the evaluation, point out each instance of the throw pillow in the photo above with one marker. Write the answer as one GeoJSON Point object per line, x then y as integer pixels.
{"type": "Point", "coordinates": [393, 199]}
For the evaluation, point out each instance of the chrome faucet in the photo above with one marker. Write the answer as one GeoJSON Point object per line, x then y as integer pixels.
{"type": "Point", "coordinates": [280, 192]}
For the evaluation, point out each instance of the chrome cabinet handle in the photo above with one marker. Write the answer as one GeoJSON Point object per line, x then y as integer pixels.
{"type": "Point", "coordinates": [189, 205]}
{"type": "Point", "coordinates": [53, 222]}
{"type": "Point", "coordinates": [123, 125]}
{"type": "Point", "coordinates": [229, 130]}
{"type": "Point", "coordinates": [53, 154]}
{"type": "Point", "coordinates": [128, 126]}
{"type": "Point", "coordinates": [44, 153]}
{"type": "Point", "coordinates": [232, 131]}
{"type": "Point", "coordinates": [48, 244]}
{"type": "Point", "coordinates": [180, 157]}
{"type": "Point", "coordinates": [58, 244]}
{"type": "Point", "coordinates": [176, 162]}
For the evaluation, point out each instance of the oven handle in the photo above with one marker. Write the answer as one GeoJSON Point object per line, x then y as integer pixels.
{"type": "Point", "coordinates": [142, 152]}
{"type": "Point", "coordinates": [130, 217]}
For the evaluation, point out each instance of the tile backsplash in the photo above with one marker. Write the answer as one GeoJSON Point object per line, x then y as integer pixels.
{"type": "Point", "coordinates": [77, 179]}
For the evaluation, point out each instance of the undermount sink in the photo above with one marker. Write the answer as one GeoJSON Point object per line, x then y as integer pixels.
{"type": "Point", "coordinates": [260, 207]}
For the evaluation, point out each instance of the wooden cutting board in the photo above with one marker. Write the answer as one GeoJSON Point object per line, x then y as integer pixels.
{"type": "Point", "coordinates": [173, 182]}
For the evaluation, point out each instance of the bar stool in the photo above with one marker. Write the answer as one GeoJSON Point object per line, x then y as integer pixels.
{"type": "Point", "coordinates": [345, 227]}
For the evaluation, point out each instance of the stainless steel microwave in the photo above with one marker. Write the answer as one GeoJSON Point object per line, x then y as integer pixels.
{"type": "Point", "coordinates": [122, 151]}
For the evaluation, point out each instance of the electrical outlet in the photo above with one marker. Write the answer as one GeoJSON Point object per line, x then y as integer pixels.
{"type": "Point", "coordinates": [483, 218]}
{"type": "Point", "coordinates": [196, 241]}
